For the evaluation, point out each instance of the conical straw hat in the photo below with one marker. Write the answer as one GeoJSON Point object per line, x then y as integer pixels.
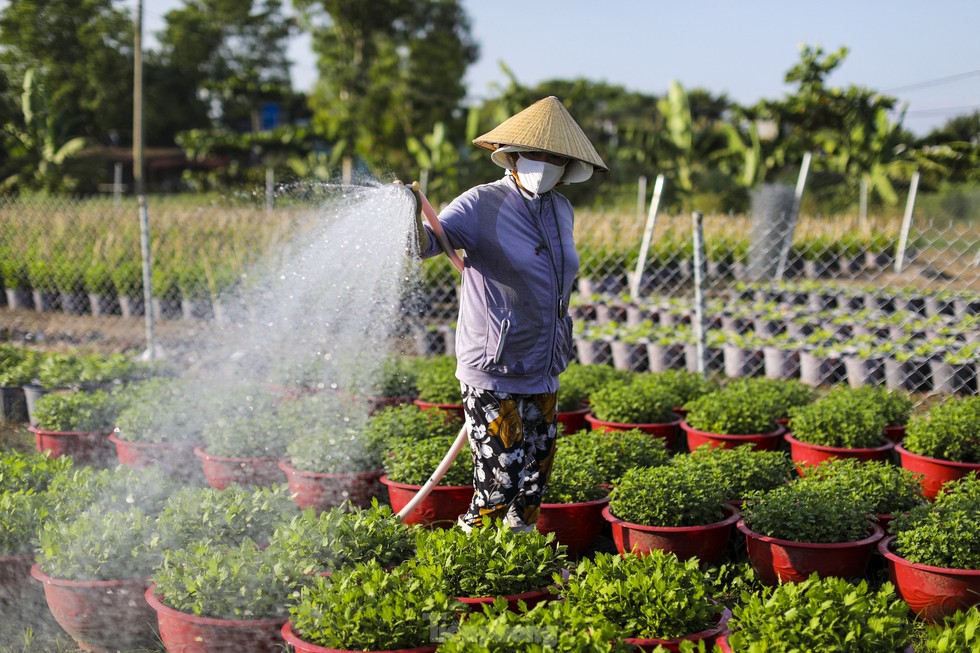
{"type": "Point", "coordinates": [547, 126]}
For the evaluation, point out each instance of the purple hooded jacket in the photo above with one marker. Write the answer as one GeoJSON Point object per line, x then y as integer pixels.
{"type": "Point", "coordinates": [514, 333]}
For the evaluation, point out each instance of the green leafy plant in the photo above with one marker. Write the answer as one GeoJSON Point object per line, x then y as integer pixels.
{"type": "Point", "coordinates": [407, 422]}
{"type": "Point", "coordinates": [782, 395]}
{"type": "Point", "coordinates": [640, 401]}
{"type": "Point", "coordinates": [76, 411]}
{"type": "Point", "coordinates": [345, 536]}
{"type": "Point", "coordinates": [945, 533]}
{"type": "Point", "coordinates": [59, 370]}
{"type": "Point", "coordinates": [99, 544]}
{"type": "Point", "coordinates": [573, 480]}
{"type": "Point", "coordinates": [82, 487]}
{"type": "Point", "coordinates": [490, 561]}
{"type": "Point", "coordinates": [21, 513]}
{"type": "Point", "coordinates": [550, 626]}
{"type": "Point", "coordinates": [228, 516]}
{"type": "Point", "coordinates": [688, 386]}
{"type": "Point", "coordinates": [828, 614]}
{"type": "Point", "coordinates": [668, 496]}
{"type": "Point", "coordinates": [948, 431]}
{"type": "Point", "coordinates": [958, 632]}
{"type": "Point", "coordinates": [397, 378]}
{"type": "Point", "coordinates": [30, 471]}
{"type": "Point", "coordinates": [229, 581]}
{"type": "Point", "coordinates": [895, 406]}
{"type": "Point", "coordinates": [839, 419]}
{"type": "Point", "coordinates": [413, 461]}
{"type": "Point", "coordinates": [649, 596]}
{"type": "Point", "coordinates": [252, 435]}
{"type": "Point", "coordinates": [579, 381]}
{"type": "Point", "coordinates": [22, 369]}
{"type": "Point", "coordinates": [328, 435]}
{"type": "Point", "coordinates": [159, 410]}
{"type": "Point", "coordinates": [369, 608]}
{"type": "Point", "coordinates": [740, 470]}
{"type": "Point", "coordinates": [611, 453]}
{"type": "Point", "coordinates": [892, 490]}
{"type": "Point", "coordinates": [809, 512]}
{"type": "Point", "coordinates": [437, 382]}
{"type": "Point", "coordinates": [733, 410]}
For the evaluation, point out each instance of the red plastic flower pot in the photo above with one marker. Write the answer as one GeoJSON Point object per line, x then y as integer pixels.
{"type": "Point", "coordinates": [441, 508]}
{"type": "Point", "coordinates": [176, 459]}
{"type": "Point", "coordinates": [806, 455]}
{"type": "Point", "coordinates": [188, 633]}
{"type": "Point", "coordinates": [85, 447]}
{"type": "Point", "coordinates": [935, 471]}
{"type": "Point", "coordinates": [707, 543]}
{"type": "Point", "coordinates": [301, 646]}
{"type": "Point", "coordinates": [895, 433]}
{"type": "Point", "coordinates": [710, 636]}
{"type": "Point", "coordinates": [932, 593]}
{"type": "Point", "coordinates": [101, 615]}
{"type": "Point", "coordinates": [762, 441]}
{"type": "Point", "coordinates": [666, 430]}
{"type": "Point", "coordinates": [324, 491]}
{"type": "Point", "coordinates": [576, 525]}
{"type": "Point", "coordinates": [786, 561]}
{"type": "Point", "coordinates": [573, 421]}
{"type": "Point", "coordinates": [222, 471]}
{"type": "Point", "coordinates": [452, 410]}
{"type": "Point", "coordinates": [530, 598]}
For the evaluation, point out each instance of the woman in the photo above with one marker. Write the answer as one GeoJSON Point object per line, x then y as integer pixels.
{"type": "Point", "coordinates": [514, 334]}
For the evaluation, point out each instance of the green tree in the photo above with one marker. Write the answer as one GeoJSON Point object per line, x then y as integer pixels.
{"type": "Point", "coordinates": [83, 50]}
{"type": "Point", "coordinates": [389, 70]}
{"type": "Point", "coordinates": [38, 147]}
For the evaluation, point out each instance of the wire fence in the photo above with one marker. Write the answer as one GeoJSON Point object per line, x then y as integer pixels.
{"type": "Point", "coordinates": [827, 300]}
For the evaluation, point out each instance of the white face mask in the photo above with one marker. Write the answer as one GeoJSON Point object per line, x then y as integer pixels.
{"type": "Point", "coordinates": [538, 176]}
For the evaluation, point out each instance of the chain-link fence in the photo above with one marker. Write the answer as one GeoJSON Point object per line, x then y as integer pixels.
{"type": "Point", "coordinates": [845, 300]}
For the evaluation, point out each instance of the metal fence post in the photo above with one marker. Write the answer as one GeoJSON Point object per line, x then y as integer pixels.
{"type": "Point", "coordinates": [641, 197]}
{"type": "Point", "coordinates": [797, 200]}
{"type": "Point", "coordinates": [151, 346]}
{"type": "Point", "coordinates": [903, 238]}
{"type": "Point", "coordinates": [700, 335]}
{"type": "Point", "coordinates": [641, 261]}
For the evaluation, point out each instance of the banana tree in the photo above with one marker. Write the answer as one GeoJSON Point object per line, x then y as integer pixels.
{"type": "Point", "coordinates": [38, 149]}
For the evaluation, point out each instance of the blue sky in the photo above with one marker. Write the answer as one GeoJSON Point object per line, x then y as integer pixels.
{"type": "Point", "coordinates": [925, 53]}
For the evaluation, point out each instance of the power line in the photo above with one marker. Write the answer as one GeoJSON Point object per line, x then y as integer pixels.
{"type": "Point", "coordinates": [944, 110]}
{"type": "Point", "coordinates": [933, 82]}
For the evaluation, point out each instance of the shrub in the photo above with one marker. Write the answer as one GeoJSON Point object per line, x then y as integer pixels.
{"type": "Point", "coordinates": [809, 512]}
{"type": "Point", "coordinates": [957, 632]}
{"type": "Point", "coordinates": [368, 608]}
{"type": "Point", "coordinates": [839, 420]}
{"type": "Point", "coordinates": [945, 533]}
{"type": "Point", "coordinates": [228, 516]}
{"type": "Point", "coordinates": [578, 382]}
{"type": "Point", "coordinates": [611, 453]}
{"type": "Point", "coordinates": [225, 581]}
{"type": "Point", "coordinates": [327, 435]}
{"type": "Point", "coordinates": [641, 401]}
{"type": "Point", "coordinates": [23, 371]}
{"type": "Point", "coordinates": [258, 434]}
{"type": "Point", "coordinates": [119, 489]}
{"type": "Point", "coordinates": [827, 614]}
{"type": "Point", "coordinates": [731, 411]}
{"type": "Point", "coordinates": [557, 625]}
{"type": "Point", "coordinates": [60, 370]}
{"type": "Point", "coordinates": [688, 386]}
{"type": "Point", "coordinates": [77, 411]}
{"type": "Point", "coordinates": [345, 536]}
{"type": "Point", "coordinates": [891, 489]}
{"type": "Point", "coordinates": [895, 406]}
{"type": "Point", "coordinates": [490, 561]}
{"type": "Point", "coordinates": [740, 470]}
{"type": "Point", "coordinates": [573, 480]}
{"type": "Point", "coordinates": [649, 596]}
{"type": "Point", "coordinates": [948, 431]}
{"type": "Point", "coordinates": [20, 519]}
{"type": "Point", "coordinates": [30, 471]}
{"type": "Point", "coordinates": [668, 496]}
{"type": "Point", "coordinates": [781, 395]}
{"type": "Point", "coordinates": [395, 423]}
{"type": "Point", "coordinates": [397, 378]}
{"type": "Point", "coordinates": [412, 462]}
{"type": "Point", "coordinates": [159, 410]}
{"type": "Point", "coordinates": [437, 382]}
{"type": "Point", "coordinates": [99, 544]}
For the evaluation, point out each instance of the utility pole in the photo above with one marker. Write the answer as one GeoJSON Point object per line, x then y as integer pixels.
{"type": "Point", "coordinates": [151, 353]}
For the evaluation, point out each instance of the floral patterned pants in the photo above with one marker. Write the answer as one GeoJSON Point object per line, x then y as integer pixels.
{"type": "Point", "coordinates": [512, 438]}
